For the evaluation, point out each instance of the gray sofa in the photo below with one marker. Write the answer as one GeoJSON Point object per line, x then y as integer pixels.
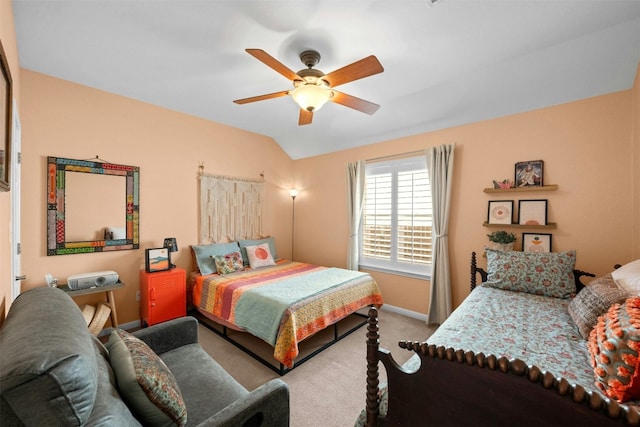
{"type": "Point", "coordinates": [54, 372]}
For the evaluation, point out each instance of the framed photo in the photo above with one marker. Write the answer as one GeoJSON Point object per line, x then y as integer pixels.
{"type": "Point", "coordinates": [157, 259]}
{"type": "Point", "coordinates": [536, 242]}
{"type": "Point", "coordinates": [532, 212]}
{"type": "Point", "coordinates": [500, 212]}
{"type": "Point", "coordinates": [6, 101]}
{"type": "Point", "coordinates": [529, 174]}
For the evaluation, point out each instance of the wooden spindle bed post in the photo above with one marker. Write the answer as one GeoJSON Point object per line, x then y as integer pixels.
{"type": "Point", "coordinates": [373, 342]}
{"type": "Point", "coordinates": [473, 270]}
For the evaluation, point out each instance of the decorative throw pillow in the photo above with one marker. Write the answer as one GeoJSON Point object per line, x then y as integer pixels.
{"type": "Point", "coordinates": [145, 382]}
{"type": "Point", "coordinates": [259, 255]}
{"type": "Point", "coordinates": [252, 242]}
{"type": "Point", "coordinates": [229, 263]}
{"type": "Point", "coordinates": [628, 277]}
{"type": "Point", "coordinates": [593, 301]}
{"type": "Point", "coordinates": [539, 273]}
{"type": "Point", "coordinates": [204, 255]}
{"type": "Point", "coordinates": [614, 345]}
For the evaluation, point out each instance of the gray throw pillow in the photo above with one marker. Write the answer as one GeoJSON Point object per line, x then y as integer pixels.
{"type": "Point", "coordinates": [593, 301]}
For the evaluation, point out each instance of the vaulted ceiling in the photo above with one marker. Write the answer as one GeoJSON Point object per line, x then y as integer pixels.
{"type": "Point", "coordinates": [446, 62]}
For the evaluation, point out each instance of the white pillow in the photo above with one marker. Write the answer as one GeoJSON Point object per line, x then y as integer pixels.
{"type": "Point", "coordinates": [259, 255]}
{"type": "Point", "coordinates": [628, 277]}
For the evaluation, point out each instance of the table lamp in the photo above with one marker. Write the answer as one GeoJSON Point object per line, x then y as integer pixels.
{"type": "Point", "coordinates": [171, 244]}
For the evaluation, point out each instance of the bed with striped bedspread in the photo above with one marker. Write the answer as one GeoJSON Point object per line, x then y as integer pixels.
{"type": "Point", "coordinates": [285, 303]}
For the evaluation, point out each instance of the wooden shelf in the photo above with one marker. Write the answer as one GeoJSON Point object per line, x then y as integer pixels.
{"type": "Point", "coordinates": [549, 226]}
{"type": "Point", "coordinates": [521, 189]}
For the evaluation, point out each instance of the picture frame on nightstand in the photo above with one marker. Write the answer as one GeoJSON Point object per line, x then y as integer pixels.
{"type": "Point", "coordinates": [157, 259]}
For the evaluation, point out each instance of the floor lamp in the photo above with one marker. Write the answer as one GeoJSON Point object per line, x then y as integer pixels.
{"type": "Point", "coordinates": [293, 193]}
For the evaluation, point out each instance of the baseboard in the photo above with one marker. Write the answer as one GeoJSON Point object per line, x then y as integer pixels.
{"type": "Point", "coordinates": [404, 312]}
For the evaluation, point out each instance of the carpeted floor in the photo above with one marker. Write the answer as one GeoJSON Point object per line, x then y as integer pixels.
{"type": "Point", "coordinates": [329, 389]}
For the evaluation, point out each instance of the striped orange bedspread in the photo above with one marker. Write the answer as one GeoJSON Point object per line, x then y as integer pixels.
{"type": "Point", "coordinates": [285, 303]}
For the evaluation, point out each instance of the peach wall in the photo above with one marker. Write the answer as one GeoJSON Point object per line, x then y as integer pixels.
{"type": "Point", "coordinates": [8, 38]}
{"type": "Point", "coordinates": [589, 147]}
{"type": "Point", "coordinates": [69, 120]}
{"type": "Point", "coordinates": [587, 151]}
{"type": "Point", "coordinates": [636, 162]}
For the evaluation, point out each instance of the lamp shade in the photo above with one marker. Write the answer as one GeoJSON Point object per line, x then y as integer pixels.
{"type": "Point", "coordinates": [293, 193]}
{"type": "Point", "coordinates": [311, 97]}
{"type": "Point", "coordinates": [171, 244]}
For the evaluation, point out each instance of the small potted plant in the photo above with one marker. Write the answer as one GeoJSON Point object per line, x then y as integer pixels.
{"type": "Point", "coordinates": [502, 240]}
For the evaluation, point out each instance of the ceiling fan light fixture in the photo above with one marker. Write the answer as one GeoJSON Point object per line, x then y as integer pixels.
{"type": "Point", "coordinates": [311, 97]}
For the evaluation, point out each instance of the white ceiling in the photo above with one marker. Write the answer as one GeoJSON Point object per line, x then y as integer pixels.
{"type": "Point", "coordinates": [446, 64]}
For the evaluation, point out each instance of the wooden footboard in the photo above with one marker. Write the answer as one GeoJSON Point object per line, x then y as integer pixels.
{"type": "Point", "coordinates": [456, 388]}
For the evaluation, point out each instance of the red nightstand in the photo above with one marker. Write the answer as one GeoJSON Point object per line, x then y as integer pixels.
{"type": "Point", "coordinates": [163, 295]}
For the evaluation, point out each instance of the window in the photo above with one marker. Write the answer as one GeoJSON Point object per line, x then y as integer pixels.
{"type": "Point", "coordinates": [397, 217]}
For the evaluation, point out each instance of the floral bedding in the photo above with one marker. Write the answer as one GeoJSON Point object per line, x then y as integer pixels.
{"type": "Point", "coordinates": [533, 328]}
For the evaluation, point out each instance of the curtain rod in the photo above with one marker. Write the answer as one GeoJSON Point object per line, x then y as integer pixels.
{"type": "Point", "coordinates": [230, 178]}
{"type": "Point", "coordinates": [391, 156]}
{"type": "Point", "coordinates": [202, 174]}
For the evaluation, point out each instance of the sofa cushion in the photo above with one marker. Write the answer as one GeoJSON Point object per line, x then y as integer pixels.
{"type": "Point", "coordinates": [614, 346]}
{"type": "Point", "coordinates": [48, 364]}
{"type": "Point", "coordinates": [207, 387]}
{"type": "Point", "coordinates": [109, 408]}
{"type": "Point", "coordinates": [145, 382]}
{"type": "Point", "coordinates": [539, 273]}
{"type": "Point", "coordinates": [593, 301]}
{"type": "Point", "coordinates": [628, 277]}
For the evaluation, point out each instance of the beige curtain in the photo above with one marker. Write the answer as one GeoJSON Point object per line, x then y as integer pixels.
{"type": "Point", "coordinates": [440, 167]}
{"type": "Point", "coordinates": [355, 197]}
{"type": "Point", "coordinates": [230, 209]}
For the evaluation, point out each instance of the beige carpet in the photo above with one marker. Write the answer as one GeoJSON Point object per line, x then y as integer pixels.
{"type": "Point", "coordinates": [329, 389]}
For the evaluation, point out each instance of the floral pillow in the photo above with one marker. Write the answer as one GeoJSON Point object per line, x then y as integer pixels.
{"type": "Point", "coordinates": [260, 255]}
{"type": "Point", "coordinates": [614, 345]}
{"type": "Point", "coordinates": [539, 273]}
{"type": "Point", "coordinates": [145, 382]}
{"type": "Point", "coordinates": [229, 263]}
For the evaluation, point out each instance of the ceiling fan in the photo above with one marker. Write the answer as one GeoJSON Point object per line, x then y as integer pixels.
{"type": "Point", "coordinates": [313, 88]}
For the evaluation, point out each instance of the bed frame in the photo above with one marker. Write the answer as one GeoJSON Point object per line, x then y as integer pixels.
{"type": "Point", "coordinates": [454, 388]}
{"type": "Point", "coordinates": [338, 334]}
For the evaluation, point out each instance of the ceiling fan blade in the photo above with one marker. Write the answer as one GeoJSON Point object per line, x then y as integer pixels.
{"type": "Point", "coordinates": [354, 102]}
{"type": "Point", "coordinates": [262, 97]}
{"type": "Point", "coordinates": [363, 68]}
{"type": "Point", "coordinates": [272, 62]}
{"type": "Point", "coordinates": [305, 117]}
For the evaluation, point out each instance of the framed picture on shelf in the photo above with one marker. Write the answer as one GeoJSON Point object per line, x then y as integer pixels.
{"type": "Point", "coordinates": [157, 259]}
{"type": "Point", "coordinates": [532, 212]}
{"type": "Point", "coordinates": [500, 212]}
{"type": "Point", "coordinates": [529, 174]}
{"type": "Point", "coordinates": [536, 242]}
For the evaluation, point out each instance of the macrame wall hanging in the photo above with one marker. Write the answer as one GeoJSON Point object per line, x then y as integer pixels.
{"type": "Point", "coordinates": [230, 208]}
